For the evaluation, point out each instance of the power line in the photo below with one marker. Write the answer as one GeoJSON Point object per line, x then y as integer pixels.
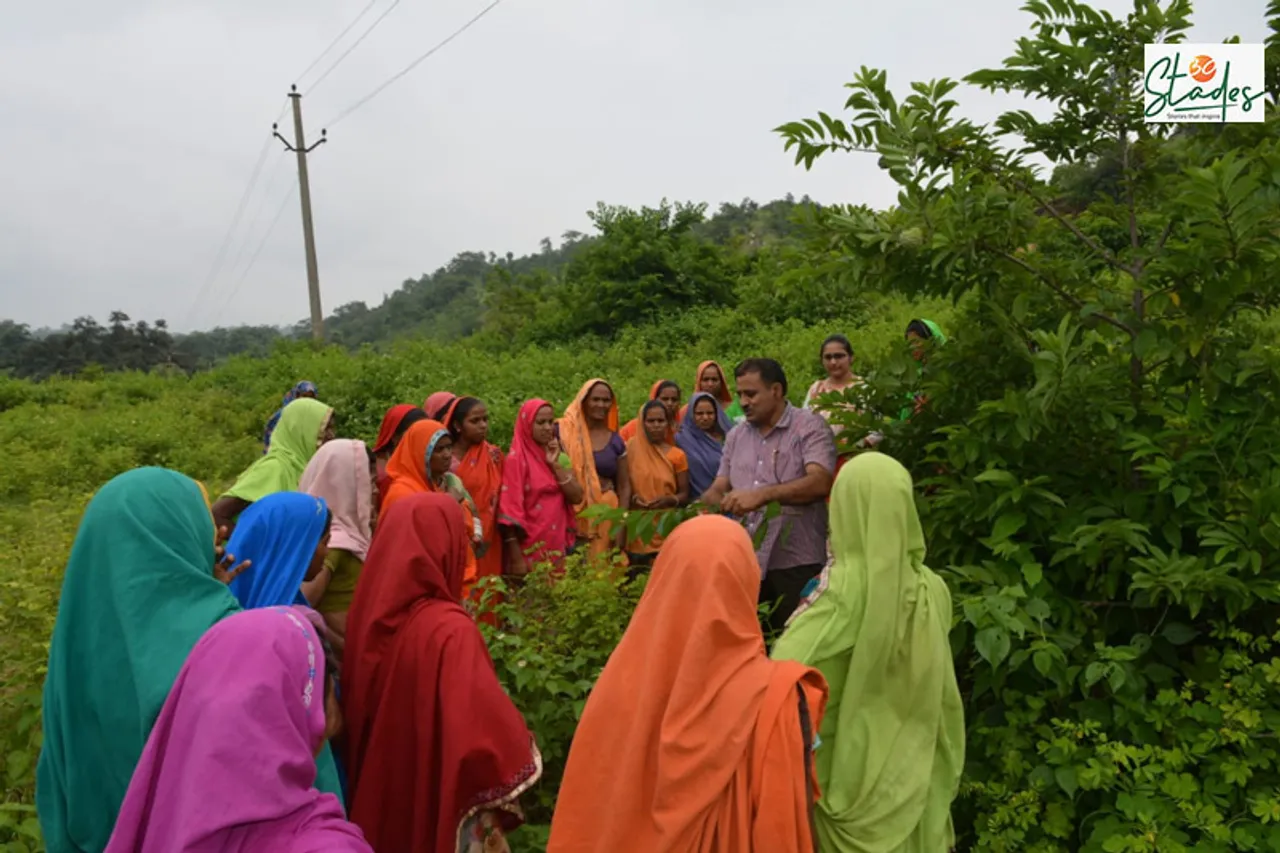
{"type": "Point", "coordinates": [336, 39]}
{"type": "Point", "coordinates": [226, 240]}
{"type": "Point", "coordinates": [412, 65]}
{"type": "Point", "coordinates": [353, 46]}
{"type": "Point", "coordinates": [258, 251]}
{"type": "Point", "coordinates": [251, 228]}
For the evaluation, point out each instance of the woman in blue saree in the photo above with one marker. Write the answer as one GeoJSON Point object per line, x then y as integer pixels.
{"type": "Point", "coordinates": [701, 437]}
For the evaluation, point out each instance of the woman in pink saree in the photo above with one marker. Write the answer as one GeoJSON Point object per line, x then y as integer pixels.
{"type": "Point", "coordinates": [230, 764]}
{"type": "Point", "coordinates": [539, 489]}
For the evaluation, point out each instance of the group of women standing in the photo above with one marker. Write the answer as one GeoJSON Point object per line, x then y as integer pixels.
{"type": "Point", "coordinates": [300, 655]}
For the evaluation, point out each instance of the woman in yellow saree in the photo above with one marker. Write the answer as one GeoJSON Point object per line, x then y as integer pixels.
{"type": "Point", "coordinates": [588, 432]}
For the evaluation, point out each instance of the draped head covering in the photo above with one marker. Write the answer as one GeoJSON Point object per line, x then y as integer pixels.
{"type": "Point", "coordinates": [137, 594]}
{"type": "Point", "coordinates": [438, 403]}
{"type": "Point", "coordinates": [480, 470]}
{"type": "Point", "coordinates": [407, 468]}
{"type": "Point", "coordinates": [691, 740]}
{"type": "Point", "coordinates": [294, 442]}
{"type": "Point", "coordinates": [877, 628]}
{"type": "Point", "coordinates": [575, 438]}
{"type": "Point", "coordinates": [725, 396]}
{"type": "Point", "coordinates": [391, 422]}
{"type": "Point", "coordinates": [531, 499]}
{"type": "Point", "coordinates": [339, 474]}
{"type": "Point", "coordinates": [255, 681]}
{"type": "Point", "coordinates": [279, 536]}
{"type": "Point", "coordinates": [635, 425]}
{"type": "Point", "coordinates": [704, 452]}
{"type": "Point", "coordinates": [296, 391]}
{"type": "Point", "coordinates": [432, 738]}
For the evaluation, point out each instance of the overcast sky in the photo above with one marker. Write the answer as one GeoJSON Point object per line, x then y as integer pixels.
{"type": "Point", "coordinates": [131, 128]}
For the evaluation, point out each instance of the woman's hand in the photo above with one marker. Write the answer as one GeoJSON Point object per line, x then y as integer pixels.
{"type": "Point", "coordinates": [517, 566]}
{"type": "Point", "coordinates": [553, 451]}
{"type": "Point", "coordinates": [223, 569]}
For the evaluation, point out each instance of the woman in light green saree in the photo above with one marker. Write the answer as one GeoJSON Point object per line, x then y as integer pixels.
{"type": "Point", "coordinates": [305, 424]}
{"type": "Point", "coordinates": [892, 741]}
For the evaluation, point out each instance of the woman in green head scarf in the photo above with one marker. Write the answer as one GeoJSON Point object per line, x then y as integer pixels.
{"type": "Point", "coordinates": [892, 741]}
{"type": "Point", "coordinates": [304, 425]}
{"type": "Point", "coordinates": [138, 593]}
{"type": "Point", "coordinates": [920, 333]}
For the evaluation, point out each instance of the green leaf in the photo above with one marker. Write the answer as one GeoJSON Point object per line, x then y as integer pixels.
{"type": "Point", "coordinates": [1179, 634]}
{"type": "Point", "coordinates": [1043, 662]}
{"type": "Point", "coordinates": [1066, 778]}
{"type": "Point", "coordinates": [995, 475]}
{"type": "Point", "coordinates": [993, 644]}
{"type": "Point", "coordinates": [1033, 573]}
{"type": "Point", "coordinates": [1007, 525]}
{"type": "Point", "coordinates": [1180, 495]}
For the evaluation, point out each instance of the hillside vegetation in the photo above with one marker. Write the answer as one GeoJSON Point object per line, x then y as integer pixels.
{"type": "Point", "coordinates": [1098, 465]}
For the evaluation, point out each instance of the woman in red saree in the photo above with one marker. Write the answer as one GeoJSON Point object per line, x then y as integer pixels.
{"type": "Point", "coordinates": [437, 754]}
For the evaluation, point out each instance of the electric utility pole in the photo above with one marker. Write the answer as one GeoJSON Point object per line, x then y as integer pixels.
{"type": "Point", "coordinates": [299, 146]}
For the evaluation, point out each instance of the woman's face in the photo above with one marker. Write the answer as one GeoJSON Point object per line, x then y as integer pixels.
{"type": "Point", "coordinates": [710, 381]}
{"type": "Point", "coordinates": [441, 458]}
{"type": "Point", "coordinates": [317, 559]}
{"type": "Point", "coordinates": [598, 403]}
{"type": "Point", "coordinates": [670, 397]}
{"type": "Point", "coordinates": [544, 424]}
{"type": "Point", "coordinates": [836, 360]}
{"type": "Point", "coordinates": [917, 345]}
{"type": "Point", "coordinates": [655, 424]}
{"type": "Point", "coordinates": [704, 415]}
{"type": "Point", "coordinates": [326, 431]}
{"type": "Point", "coordinates": [475, 426]}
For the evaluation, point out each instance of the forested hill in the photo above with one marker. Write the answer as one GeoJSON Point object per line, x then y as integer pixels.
{"type": "Point", "coordinates": [638, 263]}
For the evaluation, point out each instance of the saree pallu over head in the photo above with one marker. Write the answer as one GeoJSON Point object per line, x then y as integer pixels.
{"type": "Point", "coordinates": [575, 437]}
{"type": "Point", "coordinates": [390, 423]}
{"type": "Point", "coordinates": [704, 452]}
{"type": "Point", "coordinates": [296, 391]}
{"type": "Point", "coordinates": [877, 628]}
{"type": "Point", "coordinates": [438, 403]}
{"type": "Point", "coordinates": [652, 475]}
{"type": "Point", "coordinates": [409, 476]}
{"type": "Point", "coordinates": [480, 470]}
{"type": "Point", "coordinates": [255, 680]}
{"type": "Point", "coordinates": [531, 498]}
{"type": "Point", "coordinates": [278, 535]}
{"type": "Point", "coordinates": [294, 442]}
{"type": "Point", "coordinates": [691, 741]}
{"type": "Point", "coordinates": [634, 426]}
{"type": "Point", "coordinates": [339, 474]}
{"type": "Point", "coordinates": [137, 594]}
{"type": "Point", "coordinates": [432, 737]}
{"type": "Point", "coordinates": [407, 468]}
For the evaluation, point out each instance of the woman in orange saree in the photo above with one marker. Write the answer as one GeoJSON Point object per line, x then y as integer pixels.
{"type": "Point", "coordinates": [421, 464]}
{"type": "Point", "coordinates": [478, 464]}
{"type": "Point", "coordinates": [668, 392]}
{"type": "Point", "coordinates": [693, 741]}
{"type": "Point", "coordinates": [588, 432]}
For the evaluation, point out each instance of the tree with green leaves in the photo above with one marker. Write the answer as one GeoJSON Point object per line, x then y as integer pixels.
{"type": "Point", "coordinates": [1101, 449]}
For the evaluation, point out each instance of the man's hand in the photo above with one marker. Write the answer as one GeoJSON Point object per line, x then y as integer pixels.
{"type": "Point", "coordinates": [744, 502]}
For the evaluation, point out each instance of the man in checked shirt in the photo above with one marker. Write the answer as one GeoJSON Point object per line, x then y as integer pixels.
{"type": "Point", "coordinates": [784, 454]}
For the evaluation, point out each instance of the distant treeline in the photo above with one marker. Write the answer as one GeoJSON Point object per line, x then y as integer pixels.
{"type": "Point", "coordinates": [639, 264]}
